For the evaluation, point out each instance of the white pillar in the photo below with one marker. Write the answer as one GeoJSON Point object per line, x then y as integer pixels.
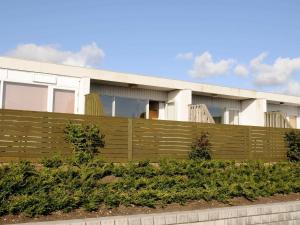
{"type": "Point", "coordinates": [253, 112]}
{"type": "Point", "coordinates": [84, 89]}
{"type": "Point", "coordinates": [181, 99]}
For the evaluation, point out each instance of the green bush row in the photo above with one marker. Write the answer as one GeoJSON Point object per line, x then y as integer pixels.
{"type": "Point", "coordinates": [65, 185]}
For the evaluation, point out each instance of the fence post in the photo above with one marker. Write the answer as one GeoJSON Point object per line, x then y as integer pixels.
{"type": "Point", "coordinates": [129, 139]}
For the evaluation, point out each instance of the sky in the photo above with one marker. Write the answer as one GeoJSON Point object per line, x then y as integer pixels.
{"type": "Point", "coordinates": [250, 44]}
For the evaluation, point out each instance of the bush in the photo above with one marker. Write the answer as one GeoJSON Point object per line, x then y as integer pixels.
{"type": "Point", "coordinates": [201, 150]}
{"type": "Point", "coordinates": [53, 162]}
{"type": "Point", "coordinates": [86, 140]}
{"type": "Point", "coordinates": [293, 142]}
{"type": "Point", "coordinates": [26, 189]}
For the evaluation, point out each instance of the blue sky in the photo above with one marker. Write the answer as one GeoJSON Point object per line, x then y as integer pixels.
{"type": "Point", "coordinates": [176, 39]}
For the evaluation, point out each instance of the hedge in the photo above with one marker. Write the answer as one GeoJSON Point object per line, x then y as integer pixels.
{"type": "Point", "coordinates": [66, 186]}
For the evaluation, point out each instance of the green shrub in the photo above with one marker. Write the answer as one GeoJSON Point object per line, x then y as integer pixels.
{"type": "Point", "coordinates": [86, 140]}
{"type": "Point", "coordinates": [201, 150]}
{"type": "Point", "coordinates": [53, 162]}
{"type": "Point", "coordinates": [25, 189]}
{"type": "Point", "coordinates": [293, 142]}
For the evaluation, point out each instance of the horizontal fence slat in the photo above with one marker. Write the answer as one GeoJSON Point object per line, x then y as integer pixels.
{"type": "Point", "coordinates": [35, 135]}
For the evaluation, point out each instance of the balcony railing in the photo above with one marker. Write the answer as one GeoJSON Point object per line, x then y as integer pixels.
{"type": "Point", "coordinates": [276, 119]}
{"type": "Point", "coordinates": [200, 113]}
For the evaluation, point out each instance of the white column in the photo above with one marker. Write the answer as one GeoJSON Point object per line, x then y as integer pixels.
{"type": "Point", "coordinates": [50, 99]}
{"type": "Point", "coordinates": [162, 111]}
{"type": "Point", "coordinates": [3, 74]}
{"type": "Point", "coordinates": [84, 89]}
{"type": "Point", "coordinates": [147, 110]}
{"type": "Point", "coordinates": [253, 112]}
{"type": "Point", "coordinates": [182, 99]}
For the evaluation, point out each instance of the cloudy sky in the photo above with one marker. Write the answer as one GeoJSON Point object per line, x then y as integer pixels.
{"type": "Point", "coordinates": [251, 44]}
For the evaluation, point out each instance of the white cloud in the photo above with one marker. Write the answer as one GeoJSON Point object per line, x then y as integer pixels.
{"type": "Point", "coordinates": [204, 66]}
{"type": "Point", "coordinates": [241, 70]}
{"type": "Point", "coordinates": [277, 73]}
{"type": "Point", "coordinates": [88, 56]}
{"type": "Point", "coordinates": [185, 56]}
{"type": "Point", "coordinates": [292, 88]}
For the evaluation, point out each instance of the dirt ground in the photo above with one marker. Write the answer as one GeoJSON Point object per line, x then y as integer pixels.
{"type": "Point", "coordinates": [80, 214]}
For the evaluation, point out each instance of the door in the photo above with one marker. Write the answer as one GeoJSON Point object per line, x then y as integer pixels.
{"type": "Point", "coordinates": [153, 110]}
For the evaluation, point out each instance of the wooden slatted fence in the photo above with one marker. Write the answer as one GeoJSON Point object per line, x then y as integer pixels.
{"type": "Point", "coordinates": [34, 135]}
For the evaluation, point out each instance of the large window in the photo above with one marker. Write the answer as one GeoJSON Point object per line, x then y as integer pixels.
{"type": "Point", "coordinates": [127, 107]}
{"type": "Point", "coordinates": [107, 102]}
{"type": "Point", "coordinates": [63, 101]}
{"type": "Point", "coordinates": [25, 96]}
{"type": "Point", "coordinates": [217, 113]}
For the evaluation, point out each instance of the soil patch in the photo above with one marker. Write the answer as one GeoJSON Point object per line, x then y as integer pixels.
{"type": "Point", "coordinates": [109, 179]}
{"type": "Point", "coordinates": [122, 210]}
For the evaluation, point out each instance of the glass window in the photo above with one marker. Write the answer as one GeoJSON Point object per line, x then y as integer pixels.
{"type": "Point", "coordinates": [107, 102]}
{"type": "Point", "coordinates": [63, 101]}
{"type": "Point", "coordinates": [217, 113]}
{"type": "Point", "coordinates": [131, 108]}
{"type": "Point", "coordinates": [25, 96]}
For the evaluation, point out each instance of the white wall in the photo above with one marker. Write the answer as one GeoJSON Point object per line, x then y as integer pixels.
{"type": "Point", "coordinates": [288, 110]}
{"type": "Point", "coordinates": [253, 112]}
{"type": "Point", "coordinates": [79, 85]}
{"type": "Point", "coordinates": [181, 99]}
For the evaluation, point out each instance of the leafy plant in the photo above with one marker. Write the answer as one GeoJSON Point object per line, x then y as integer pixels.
{"type": "Point", "coordinates": [293, 142]}
{"type": "Point", "coordinates": [86, 140]}
{"type": "Point", "coordinates": [201, 150]}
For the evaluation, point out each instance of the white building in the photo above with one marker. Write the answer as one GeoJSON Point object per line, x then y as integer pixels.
{"type": "Point", "coordinates": [38, 86]}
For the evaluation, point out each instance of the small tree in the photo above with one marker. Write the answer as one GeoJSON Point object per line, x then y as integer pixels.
{"type": "Point", "coordinates": [293, 143]}
{"type": "Point", "coordinates": [201, 149]}
{"type": "Point", "coordinates": [86, 140]}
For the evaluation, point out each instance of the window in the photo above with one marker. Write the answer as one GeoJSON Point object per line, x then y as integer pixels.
{"type": "Point", "coordinates": [217, 113]}
{"type": "Point", "coordinates": [63, 101]}
{"type": "Point", "coordinates": [25, 96]}
{"type": "Point", "coordinates": [132, 108]}
{"type": "Point", "coordinates": [107, 102]}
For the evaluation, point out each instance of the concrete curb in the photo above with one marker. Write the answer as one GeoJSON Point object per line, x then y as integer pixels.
{"type": "Point", "coordinates": [285, 213]}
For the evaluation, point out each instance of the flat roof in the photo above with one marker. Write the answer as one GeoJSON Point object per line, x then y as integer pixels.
{"type": "Point", "coordinates": [142, 80]}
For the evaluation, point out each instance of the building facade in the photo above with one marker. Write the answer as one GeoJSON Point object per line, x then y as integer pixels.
{"type": "Point", "coordinates": [37, 86]}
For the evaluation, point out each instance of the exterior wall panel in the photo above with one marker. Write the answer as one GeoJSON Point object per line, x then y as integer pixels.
{"type": "Point", "coordinates": [214, 101]}
{"type": "Point", "coordinates": [137, 93]}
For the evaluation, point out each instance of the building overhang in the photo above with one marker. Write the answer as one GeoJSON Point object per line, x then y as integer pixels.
{"type": "Point", "coordinates": [141, 81]}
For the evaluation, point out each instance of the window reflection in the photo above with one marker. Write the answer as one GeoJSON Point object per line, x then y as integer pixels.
{"type": "Point", "coordinates": [132, 108]}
